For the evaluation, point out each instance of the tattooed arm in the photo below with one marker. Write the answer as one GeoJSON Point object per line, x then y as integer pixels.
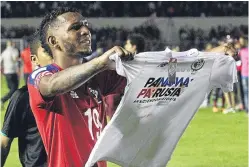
{"type": "Point", "coordinates": [73, 77]}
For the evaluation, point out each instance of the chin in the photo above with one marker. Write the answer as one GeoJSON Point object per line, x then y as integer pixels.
{"type": "Point", "coordinates": [84, 53]}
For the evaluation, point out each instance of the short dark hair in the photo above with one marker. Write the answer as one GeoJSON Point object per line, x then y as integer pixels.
{"type": "Point", "coordinates": [47, 20]}
{"type": "Point", "coordinates": [138, 40]}
{"type": "Point", "coordinates": [34, 42]}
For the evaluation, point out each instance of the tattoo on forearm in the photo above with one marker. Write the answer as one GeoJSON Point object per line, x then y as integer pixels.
{"type": "Point", "coordinates": [72, 78]}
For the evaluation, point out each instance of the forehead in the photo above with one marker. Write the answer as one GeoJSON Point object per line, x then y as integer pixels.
{"type": "Point", "coordinates": [65, 20]}
{"type": "Point", "coordinates": [70, 17]}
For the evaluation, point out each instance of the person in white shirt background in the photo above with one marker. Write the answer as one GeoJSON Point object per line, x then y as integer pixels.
{"type": "Point", "coordinates": [9, 64]}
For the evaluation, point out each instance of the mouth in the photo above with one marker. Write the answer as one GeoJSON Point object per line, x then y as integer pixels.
{"type": "Point", "coordinates": [85, 42]}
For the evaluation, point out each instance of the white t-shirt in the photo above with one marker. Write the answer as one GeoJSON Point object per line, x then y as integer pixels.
{"type": "Point", "coordinates": [153, 114]}
{"type": "Point", "coordinates": [9, 57]}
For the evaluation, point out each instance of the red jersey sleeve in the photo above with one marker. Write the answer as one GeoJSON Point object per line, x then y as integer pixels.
{"type": "Point", "coordinates": [110, 82]}
{"type": "Point", "coordinates": [36, 99]}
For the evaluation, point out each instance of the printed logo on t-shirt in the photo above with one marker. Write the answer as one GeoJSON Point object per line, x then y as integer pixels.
{"type": "Point", "coordinates": [198, 64]}
{"type": "Point", "coordinates": [160, 89]}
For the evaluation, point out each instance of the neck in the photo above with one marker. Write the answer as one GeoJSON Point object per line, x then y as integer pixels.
{"type": "Point", "coordinates": [65, 61]}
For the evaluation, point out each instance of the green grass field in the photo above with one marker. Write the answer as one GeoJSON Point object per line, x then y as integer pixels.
{"type": "Point", "coordinates": [211, 140]}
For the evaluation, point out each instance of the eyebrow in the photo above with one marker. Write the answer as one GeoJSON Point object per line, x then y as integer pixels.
{"type": "Point", "coordinates": [82, 21]}
{"type": "Point", "coordinates": [73, 24]}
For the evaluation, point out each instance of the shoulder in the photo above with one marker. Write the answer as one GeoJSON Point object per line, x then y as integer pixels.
{"type": "Point", "coordinates": [43, 71]}
{"type": "Point", "coordinates": [20, 95]}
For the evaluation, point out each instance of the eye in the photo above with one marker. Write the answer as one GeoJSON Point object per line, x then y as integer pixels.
{"type": "Point", "coordinates": [76, 27]}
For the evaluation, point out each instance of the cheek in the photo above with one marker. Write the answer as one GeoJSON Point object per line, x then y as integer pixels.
{"type": "Point", "coordinates": [69, 47]}
{"type": "Point", "coordinates": [70, 41]}
{"type": "Point", "coordinates": [77, 37]}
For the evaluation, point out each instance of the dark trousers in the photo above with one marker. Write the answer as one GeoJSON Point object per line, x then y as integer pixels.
{"type": "Point", "coordinates": [245, 90]}
{"type": "Point", "coordinates": [12, 82]}
{"type": "Point", "coordinates": [217, 93]}
{"type": "Point", "coordinates": [240, 88]}
{"type": "Point", "coordinates": [26, 75]}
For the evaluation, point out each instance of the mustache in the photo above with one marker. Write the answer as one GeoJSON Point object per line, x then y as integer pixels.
{"type": "Point", "coordinates": [83, 39]}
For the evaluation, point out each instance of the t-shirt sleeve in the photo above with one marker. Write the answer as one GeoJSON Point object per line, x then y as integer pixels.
{"type": "Point", "coordinates": [33, 82]}
{"type": "Point", "coordinates": [15, 115]}
{"type": "Point", "coordinates": [224, 73]}
{"type": "Point", "coordinates": [129, 69]}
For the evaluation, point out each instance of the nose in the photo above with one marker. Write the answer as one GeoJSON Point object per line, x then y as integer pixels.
{"type": "Point", "coordinates": [85, 31]}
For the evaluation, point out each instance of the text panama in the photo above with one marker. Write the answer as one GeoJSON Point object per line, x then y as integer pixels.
{"type": "Point", "coordinates": [161, 87]}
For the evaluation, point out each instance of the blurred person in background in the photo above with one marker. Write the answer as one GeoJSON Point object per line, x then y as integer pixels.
{"type": "Point", "coordinates": [208, 47]}
{"type": "Point", "coordinates": [244, 70]}
{"type": "Point", "coordinates": [206, 102]}
{"type": "Point", "coordinates": [9, 59]}
{"type": "Point", "coordinates": [135, 43]}
{"type": "Point", "coordinates": [176, 49]}
{"type": "Point", "coordinates": [27, 66]}
{"type": "Point", "coordinates": [238, 91]}
{"type": "Point", "coordinates": [229, 96]}
{"type": "Point", "coordinates": [230, 102]}
{"type": "Point", "coordinates": [19, 121]}
{"type": "Point", "coordinates": [217, 93]}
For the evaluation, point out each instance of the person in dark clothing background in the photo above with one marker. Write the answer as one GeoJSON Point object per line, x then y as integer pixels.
{"type": "Point", "coordinates": [19, 121]}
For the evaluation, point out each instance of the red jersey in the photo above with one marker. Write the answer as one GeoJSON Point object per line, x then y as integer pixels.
{"type": "Point", "coordinates": [70, 123]}
{"type": "Point", "coordinates": [26, 57]}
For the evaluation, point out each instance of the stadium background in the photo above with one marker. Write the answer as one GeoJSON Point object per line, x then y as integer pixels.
{"type": "Point", "coordinates": [212, 139]}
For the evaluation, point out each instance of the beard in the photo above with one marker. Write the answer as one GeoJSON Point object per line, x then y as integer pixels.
{"type": "Point", "coordinates": [72, 50]}
{"type": "Point", "coordinates": [83, 54]}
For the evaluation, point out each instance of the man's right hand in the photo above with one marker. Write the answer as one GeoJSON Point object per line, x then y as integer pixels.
{"type": "Point", "coordinates": [124, 55]}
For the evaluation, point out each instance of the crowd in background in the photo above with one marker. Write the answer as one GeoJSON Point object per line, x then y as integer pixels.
{"type": "Point", "coordinates": [108, 36]}
{"type": "Point", "coordinates": [190, 37]}
{"type": "Point", "coordinates": [15, 9]}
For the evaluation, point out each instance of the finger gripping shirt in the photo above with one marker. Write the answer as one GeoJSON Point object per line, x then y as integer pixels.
{"type": "Point", "coordinates": [154, 113]}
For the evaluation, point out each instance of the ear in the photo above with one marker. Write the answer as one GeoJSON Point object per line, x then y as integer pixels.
{"type": "Point", "coordinates": [34, 60]}
{"type": "Point", "coordinates": [53, 42]}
